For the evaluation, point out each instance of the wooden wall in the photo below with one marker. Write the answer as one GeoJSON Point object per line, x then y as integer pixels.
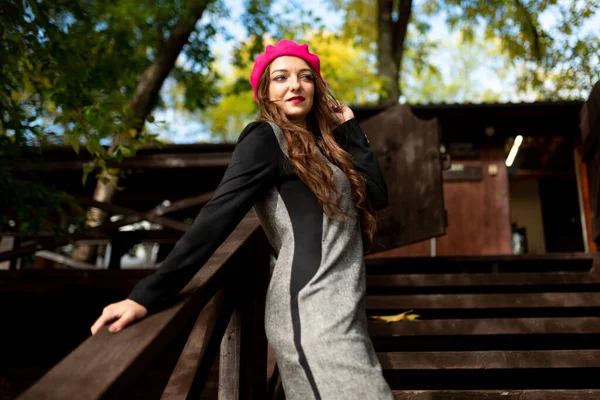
{"type": "Point", "coordinates": [478, 214]}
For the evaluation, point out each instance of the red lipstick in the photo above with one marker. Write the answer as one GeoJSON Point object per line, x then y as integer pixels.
{"type": "Point", "coordinates": [296, 99]}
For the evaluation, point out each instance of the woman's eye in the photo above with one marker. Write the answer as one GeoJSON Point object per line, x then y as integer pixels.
{"type": "Point", "coordinates": [307, 77]}
{"type": "Point", "coordinates": [279, 78]}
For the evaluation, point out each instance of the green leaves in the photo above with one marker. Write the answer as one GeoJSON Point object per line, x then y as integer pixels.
{"type": "Point", "coordinates": [553, 58]}
{"type": "Point", "coordinates": [86, 171]}
{"type": "Point", "coordinates": [71, 67]}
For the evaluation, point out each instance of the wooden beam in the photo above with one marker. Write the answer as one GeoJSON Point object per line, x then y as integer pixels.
{"type": "Point", "coordinates": [374, 262]}
{"type": "Point", "coordinates": [7, 243]}
{"type": "Point", "coordinates": [584, 185]}
{"type": "Point", "coordinates": [184, 204]}
{"type": "Point", "coordinates": [483, 301]}
{"type": "Point", "coordinates": [553, 394]}
{"type": "Point", "coordinates": [457, 360]}
{"type": "Point", "coordinates": [68, 261]}
{"type": "Point", "coordinates": [230, 360]}
{"type": "Point", "coordinates": [529, 173]}
{"type": "Point", "coordinates": [480, 280]}
{"type": "Point", "coordinates": [491, 326]}
{"type": "Point", "coordinates": [143, 162]}
{"type": "Point", "coordinates": [151, 216]}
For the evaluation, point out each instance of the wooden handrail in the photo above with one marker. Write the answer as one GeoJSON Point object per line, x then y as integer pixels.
{"type": "Point", "coordinates": [106, 366]}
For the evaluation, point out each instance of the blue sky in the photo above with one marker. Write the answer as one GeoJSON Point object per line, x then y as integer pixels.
{"type": "Point", "coordinates": [184, 130]}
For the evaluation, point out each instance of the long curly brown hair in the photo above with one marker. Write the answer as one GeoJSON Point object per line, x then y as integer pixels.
{"type": "Point", "coordinates": [302, 152]}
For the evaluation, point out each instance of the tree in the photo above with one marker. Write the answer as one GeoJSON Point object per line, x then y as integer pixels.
{"type": "Point", "coordinates": [144, 100]}
{"type": "Point", "coordinates": [386, 25]}
{"type": "Point", "coordinates": [88, 72]}
{"type": "Point", "coordinates": [459, 79]}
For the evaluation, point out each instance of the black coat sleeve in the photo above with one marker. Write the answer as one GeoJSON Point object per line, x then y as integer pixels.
{"type": "Point", "coordinates": [352, 139]}
{"type": "Point", "coordinates": [252, 170]}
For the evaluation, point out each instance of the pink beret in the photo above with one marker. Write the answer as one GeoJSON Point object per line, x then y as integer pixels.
{"type": "Point", "coordinates": [283, 48]}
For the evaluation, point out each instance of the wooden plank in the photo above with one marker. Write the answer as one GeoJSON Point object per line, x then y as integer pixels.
{"type": "Point", "coordinates": [7, 243]}
{"type": "Point", "coordinates": [479, 280]}
{"type": "Point", "coordinates": [68, 261]}
{"type": "Point", "coordinates": [586, 200]}
{"type": "Point", "coordinates": [105, 364]}
{"type": "Point", "coordinates": [408, 153]}
{"type": "Point", "coordinates": [142, 162]}
{"type": "Point", "coordinates": [253, 373]}
{"type": "Point", "coordinates": [192, 369]}
{"type": "Point", "coordinates": [491, 326]}
{"type": "Point", "coordinates": [184, 204]}
{"type": "Point", "coordinates": [470, 360]}
{"type": "Point", "coordinates": [71, 275]}
{"type": "Point", "coordinates": [230, 362]}
{"type": "Point", "coordinates": [575, 256]}
{"type": "Point", "coordinates": [580, 394]}
{"type": "Point", "coordinates": [151, 216]}
{"type": "Point", "coordinates": [590, 137]}
{"type": "Point", "coordinates": [529, 173]}
{"type": "Point", "coordinates": [582, 262]}
{"type": "Point", "coordinates": [483, 301]}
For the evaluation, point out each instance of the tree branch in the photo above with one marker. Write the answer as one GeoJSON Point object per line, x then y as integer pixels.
{"type": "Point", "coordinates": [153, 77]}
{"type": "Point", "coordinates": [529, 27]}
{"type": "Point", "coordinates": [400, 28]}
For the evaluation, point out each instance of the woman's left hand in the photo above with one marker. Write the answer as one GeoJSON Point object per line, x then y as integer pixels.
{"type": "Point", "coordinates": [342, 112]}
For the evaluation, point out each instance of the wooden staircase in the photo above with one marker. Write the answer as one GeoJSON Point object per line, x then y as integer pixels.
{"type": "Point", "coordinates": [510, 327]}
{"type": "Point", "coordinates": [514, 327]}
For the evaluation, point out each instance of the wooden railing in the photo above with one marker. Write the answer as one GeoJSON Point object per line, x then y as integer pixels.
{"type": "Point", "coordinates": [220, 311]}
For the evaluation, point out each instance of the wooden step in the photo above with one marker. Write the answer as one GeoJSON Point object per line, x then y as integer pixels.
{"type": "Point", "coordinates": [471, 281]}
{"type": "Point", "coordinates": [470, 327]}
{"type": "Point", "coordinates": [497, 394]}
{"type": "Point", "coordinates": [488, 360]}
{"type": "Point", "coordinates": [483, 301]}
{"type": "Point", "coordinates": [472, 264]}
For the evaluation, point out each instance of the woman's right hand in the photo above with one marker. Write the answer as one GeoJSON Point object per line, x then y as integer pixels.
{"type": "Point", "coordinates": [124, 312]}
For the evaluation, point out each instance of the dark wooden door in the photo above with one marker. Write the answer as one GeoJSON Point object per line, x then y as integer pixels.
{"type": "Point", "coordinates": [408, 151]}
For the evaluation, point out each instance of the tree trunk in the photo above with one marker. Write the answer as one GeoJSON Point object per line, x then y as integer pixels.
{"type": "Point", "coordinates": [392, 27]}
{"type": "Point", "coordinates": [144, 99]}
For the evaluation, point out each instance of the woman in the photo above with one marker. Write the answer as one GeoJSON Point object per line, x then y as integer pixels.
{"type": "Point", "coordinates": [314, 190]}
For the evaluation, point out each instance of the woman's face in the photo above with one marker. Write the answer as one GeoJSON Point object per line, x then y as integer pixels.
{"type": "Point", "coordinates": [292, 87]}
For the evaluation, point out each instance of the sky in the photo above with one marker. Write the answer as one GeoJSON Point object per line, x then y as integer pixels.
{"type": "Point", "coordinates": [180, 129]}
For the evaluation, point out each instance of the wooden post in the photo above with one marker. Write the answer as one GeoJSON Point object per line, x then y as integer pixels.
{"type": "Point", "coordinates": [253, 373]}
{"type": "Point", "coordinates": [15, 263]}
{"type": "Point", "coordinates": [583, 194]}
{"type": "Point", "coordinates": [6, 244]}
{"type": "Point", "coordinates": [191, 372]}
{"type": "Point", "coordinates": [229, 363]}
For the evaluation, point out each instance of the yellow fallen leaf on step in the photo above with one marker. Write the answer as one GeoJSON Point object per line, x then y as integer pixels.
{"type": "Point", "coordinates": [405, 316]}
